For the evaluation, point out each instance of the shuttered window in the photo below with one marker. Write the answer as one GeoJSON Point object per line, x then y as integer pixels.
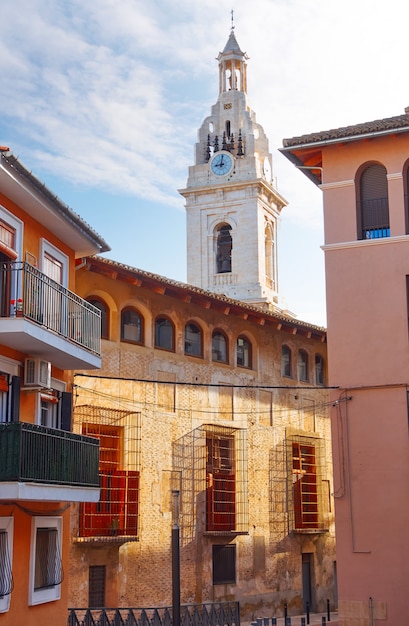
{"type": "Point", "coordinates": [373, 210]}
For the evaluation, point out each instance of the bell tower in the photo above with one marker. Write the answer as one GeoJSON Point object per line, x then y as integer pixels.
{"type": "Point", "coordinates": [232, 206]}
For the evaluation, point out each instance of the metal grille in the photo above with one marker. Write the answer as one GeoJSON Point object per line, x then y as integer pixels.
{"type": "Point", "coordinates": [6, 576]}
{"type": "Point", "coordinates": [212, 462]}
{"type": "Point", "coordinates": [48, 563]}
{"type": "Point", "coordinates": [117, 511]}
{"type": "Point", "coordinates": [96, 586]}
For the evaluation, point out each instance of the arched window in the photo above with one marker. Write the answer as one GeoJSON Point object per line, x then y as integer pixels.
{"type": "Point", "coordinates": [286, 365]}
{"type": "Point", "coordinates": [302, 365]}
{"type": "Point", "coordinates": [131, 326]}
{"type": "Point", "coordinates": [99, 304]}
{"type": "Point", "coordinates": [319, 370]}
{"type": "Point", "coordinates": [193, 340]}
{"type": "Point", "coordinates": [224, 247]}
{"type": "Point", "coordinates": [269, 255]}
{"type": "Point", "coordinates": [164, 334]}
{"type": "Point", "coordinates": [373, 213]}
{"type": "Point", "coordinates": [219, 346]}
{"type": "Point", "coordinates": [243, 352]}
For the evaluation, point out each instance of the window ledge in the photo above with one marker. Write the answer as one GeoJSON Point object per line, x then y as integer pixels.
{"type": "Point", "coordinates": [309, 531]}
{"type": "Point", "coordinates": [116, 539]}
{"type": "Point", "coordinates": [224, 533]}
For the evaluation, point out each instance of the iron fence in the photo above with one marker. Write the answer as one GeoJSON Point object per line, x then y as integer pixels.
{"type": "Point", "coordinates": [208, 614]}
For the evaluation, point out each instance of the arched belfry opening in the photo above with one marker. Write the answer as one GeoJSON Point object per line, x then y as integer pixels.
{"type": "Point", "coordinates": [224, 246]}
{"type": "Point", "coordinates": [232, 66]}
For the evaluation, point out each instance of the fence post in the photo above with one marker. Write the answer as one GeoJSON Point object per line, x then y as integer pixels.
{"type": "Point", "coordinates": [285, 613]}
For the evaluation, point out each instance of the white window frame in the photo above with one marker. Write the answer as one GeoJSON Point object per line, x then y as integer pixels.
{"type": "Point", "coordinates": [18, 227]}
{"type": "Point", "coordinates": [48, 248]}
{"type": "Point", "coordinates": [57, 385]}
{"type": "Point", "coordinates": [49, 594]}
{"type": "Point", "coordinates": [7, 525]}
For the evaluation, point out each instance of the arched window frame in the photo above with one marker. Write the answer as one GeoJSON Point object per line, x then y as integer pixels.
{"type": "Point", "coordinates": [303, 365]}
{"type": "Point", "coordinates": [224, 247]}
{"type": "Point", "coordinates": [193, 343]}
{"type": "Point", "coordinates": [164, 333]}
{"type": "Point", "coordinates": [217, 349]}
{"type": "Point", "coordinates": [244, 352]}
{"type": "Point", "coordinates": [319, 370]}
{"type": "Point", "coordinates": [286, 361]}
{"type": "Point", "coordinates": [132, 329]}
{"type": "Point", "coordinates": [103, 307]}
{"type": "Point", "coordinates": [269, 251]}
{"type": "Point", "coordinates": [371, 185]}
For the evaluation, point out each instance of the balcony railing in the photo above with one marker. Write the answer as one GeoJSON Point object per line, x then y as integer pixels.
{"type": "Point", "coordinates": [26, 292]}
{"type": "Point", "coordinates": [32, 453]}
{"type": "Point", "coordinates": [375, 218]}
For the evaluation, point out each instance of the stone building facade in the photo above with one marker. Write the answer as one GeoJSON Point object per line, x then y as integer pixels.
{"type": "Point", "coordinates": [226, 402]}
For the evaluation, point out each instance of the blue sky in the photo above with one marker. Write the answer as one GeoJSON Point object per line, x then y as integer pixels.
{"type": "Point", "coordinates": [102, 101]}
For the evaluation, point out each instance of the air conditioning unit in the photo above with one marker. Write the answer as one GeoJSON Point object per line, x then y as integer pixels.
{"type": "Point", "coordinates": [37, 373]}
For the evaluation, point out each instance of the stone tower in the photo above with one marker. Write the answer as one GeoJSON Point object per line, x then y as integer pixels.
{"type": "Point", "coordinates": [232, 205]}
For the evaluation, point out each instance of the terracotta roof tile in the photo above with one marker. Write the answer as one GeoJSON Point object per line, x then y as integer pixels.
{"type": "Point", "coordinates": [388, 124]}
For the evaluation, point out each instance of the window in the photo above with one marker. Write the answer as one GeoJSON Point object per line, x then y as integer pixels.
{"type": "Point", "coordinates": [6, 561]}
{"type": "Point", "coordinates": [224, 247]}
{"type": "Point", "coordinates": [131, 326]}
{"type": "Point", "coordinates": [302, 365]}
{"type": "Point", "coordinates": [46, 573]}
{"type": "Point", "coordinates": [221, 483]}
{"type": "Point", "coordinates": [269, 246]}
{"type": "Point", "coordinates": [243, 352]}
{"type": "Point", "coordinates": [305, 492]}
{"type": "Point", "coordinates": [193, 340]}
{"type": "Point", "coordinates": [219, 346]}
{"type": "Point", "coordinates": [224, 564]}
{"type": "Point", "coordinates": [319, 370]}
{"type": "Point", "coordinates": [116, 512]}
{"type": "Point", "coordinates": [286, 366]}
{"type": "Point", "coordinates": [164, 334]}
{"type": "Point", "coordinates": [96, 586]}
{"type": "Point", "coordinates": [101, 306]}
{"type": "Point", "coordinates": [373, 205]}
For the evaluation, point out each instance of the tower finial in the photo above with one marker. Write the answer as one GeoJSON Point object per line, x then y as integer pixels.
{"type": "Point", "coordinates": [232, 19]}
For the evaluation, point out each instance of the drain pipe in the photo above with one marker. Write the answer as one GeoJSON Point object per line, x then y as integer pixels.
{"type": "Point", "coordinates": [371, 611]}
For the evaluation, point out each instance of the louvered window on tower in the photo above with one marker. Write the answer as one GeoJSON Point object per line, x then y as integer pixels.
{"type": "Point", "coordinates": [212, 461]}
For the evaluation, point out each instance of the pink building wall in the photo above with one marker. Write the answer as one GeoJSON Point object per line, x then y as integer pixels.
{"type": "Point", "coordinates": [368, 358]}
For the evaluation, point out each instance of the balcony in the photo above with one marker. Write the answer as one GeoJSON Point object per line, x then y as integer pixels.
{"type": "Point", "coordinates": [40, 317]}
{"type": "Point", "coordinates": [38, 463]}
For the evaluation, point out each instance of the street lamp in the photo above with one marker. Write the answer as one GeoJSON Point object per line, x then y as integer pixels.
{"type": "Point", "coordinates": [175, 560]}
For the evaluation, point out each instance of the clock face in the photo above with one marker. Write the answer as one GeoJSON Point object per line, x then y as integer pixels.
{"type": "Point", "coordinates": [221, 163]}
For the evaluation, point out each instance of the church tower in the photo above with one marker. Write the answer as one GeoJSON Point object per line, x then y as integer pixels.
{"type": "Point", "coordinates": [232, 206]}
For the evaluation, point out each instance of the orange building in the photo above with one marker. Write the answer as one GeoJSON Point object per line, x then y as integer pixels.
{"type": "Point", "coordinates": [363, 171]}
{"type": "Point", "coordinates": [46, 330]}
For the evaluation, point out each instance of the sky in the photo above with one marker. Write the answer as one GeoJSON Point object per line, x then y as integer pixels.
{"type": "Point", "coordinates": [102, 101]}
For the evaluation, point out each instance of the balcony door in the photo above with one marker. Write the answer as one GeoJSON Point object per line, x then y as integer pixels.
{"type": "Point", "coordinates": [53, 289]}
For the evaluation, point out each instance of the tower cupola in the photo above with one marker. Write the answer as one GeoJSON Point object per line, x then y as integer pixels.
{"type": "Point", "coordinates": [232, 66]}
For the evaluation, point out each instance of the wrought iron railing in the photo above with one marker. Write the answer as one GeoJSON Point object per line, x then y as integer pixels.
{"type": "Point", "coordinates": [27, 292]}
{"type": "Point", "coordinates": [375, 218]}
{"type": "Point", "coordinates": [32, 453]}
{"type": "Point", "coordinates": [209, 614]}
